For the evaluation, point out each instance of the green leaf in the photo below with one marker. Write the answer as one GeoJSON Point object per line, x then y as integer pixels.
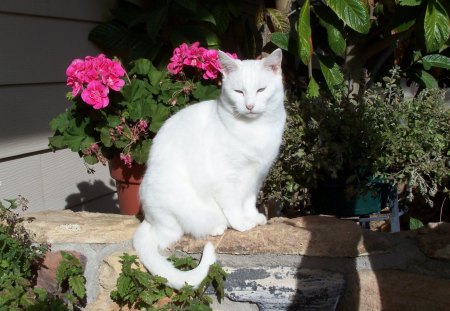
{"type": "Point", "coordinates": [141, 66]}
{"type": "Point", "coordinates": [148, 297]}
{"type": "Point", "coordinates": [141, 109]}
{"type": "Point", "coordinates": [205, 92]}
{"type": "Point", "coordinates": [313, 88]}
{"type": "Point", "coordinates": [159, 115]}
{"type": "Point", "coordinates": [205, 15]}
{"type": "Point", "coordinates": [423, 78]}
{"type": "Point", "coordinates": [57, 142]}
{"type": "Point", "coordinates": [304, 34]}
{"type": "Point", "coordinates": [410, 2]}
{"type": "Point", "coordinates": [76, 283]}
{"type": "Point", "coordinates": [332, 24]}
{"type": "Point", "coordinates": [436, 26]}
{"type": "Point", "coordinates": [437, 60]}
{"type": "Point", "coordinates": [415, 223]}
{"type": "Point", "coordinates": [140, 153]}
{"type": "Point", "coordinates": [280, 39]}
{"type": "Point", "coordinates": [354, 13]}
{"type": "Point", "coordinates": [60, 122]}
{"type": "Point", "coordinates": [331, 72]}
{"type": "Point", "coordinates": [123, 283]}
{"type": "Point", "coordinates": [105, 137]}
{"type": "Point", "coordinates": [280, 20]}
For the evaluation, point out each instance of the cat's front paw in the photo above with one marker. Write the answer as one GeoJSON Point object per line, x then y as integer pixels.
{"type": "Point", "coordinates": [260, 219]}
{"type": "Point", "coordinates": [243, 224]}
{"type": "Point", "coordinates": [219, 230]}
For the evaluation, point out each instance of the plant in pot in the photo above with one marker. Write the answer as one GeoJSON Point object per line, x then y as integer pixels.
{"type": "Point", "coordinates": [115, 113]}
{"type": "Point", "coordinates": [356, 147]}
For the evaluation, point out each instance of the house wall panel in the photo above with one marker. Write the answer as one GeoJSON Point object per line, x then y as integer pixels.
{"type": "Point", "coordinates": [59, 180]}
{"type": "Point", "coordinates": [38, 50]}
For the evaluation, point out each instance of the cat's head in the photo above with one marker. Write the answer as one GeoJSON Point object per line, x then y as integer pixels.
{"type": "Point", "coordinates": [252, 88]}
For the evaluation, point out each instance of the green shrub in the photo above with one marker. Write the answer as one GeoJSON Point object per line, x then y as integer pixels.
{"type": "Point", "coordinates": [378, 134]}
{"type": "Point", "coordinates": [140, 290]}
{"type": "Point", "coordinates": [20, 259]}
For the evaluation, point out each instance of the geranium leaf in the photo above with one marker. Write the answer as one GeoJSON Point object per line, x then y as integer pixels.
{"type": "Point", "coordinates": [57, 141]}
{"type": "Point", "coordinates": [139, 154]}
{"type": "Point", "coordinates": [159, 114]}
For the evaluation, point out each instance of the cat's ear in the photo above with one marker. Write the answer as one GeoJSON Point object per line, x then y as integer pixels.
{"type": "Point", "coordinates": [273, 61]}
{"type": "Point", "coordinates": [227, 63]}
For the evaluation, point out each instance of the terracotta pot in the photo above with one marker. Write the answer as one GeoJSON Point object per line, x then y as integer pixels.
{"type": "Point", "coordinates": [128, 180]}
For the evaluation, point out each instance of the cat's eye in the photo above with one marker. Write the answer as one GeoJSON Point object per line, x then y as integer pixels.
{"type": "Point", "coordinates": [260, 90]}
{"type": "Point", "coordinates": [239, 91]}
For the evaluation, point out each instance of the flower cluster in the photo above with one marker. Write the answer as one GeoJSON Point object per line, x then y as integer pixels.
{"type": "Point", "coordinates": [93, 77]}
{"type": "Point", "coordinates": [195, 56]}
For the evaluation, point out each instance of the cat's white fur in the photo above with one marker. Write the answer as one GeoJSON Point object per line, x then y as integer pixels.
{"type": "Point", "coordinates": [207, 164]}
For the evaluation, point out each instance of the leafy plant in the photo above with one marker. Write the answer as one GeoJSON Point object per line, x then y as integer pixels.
{"type": "Point", "coordinates": [152, 29]}
{"type": "Point", "coordinates": [100, 125]}
{"type": "Point", "coordinates": [378, 135]}
{"type": "Point", "coordinates": [337, 40]}
{"type": "Point", "coordinates": [140, 290]}
{"type": "Point", "coordinates": [70, 279]}
{"type": "Point", "coordinates": [20, 259]}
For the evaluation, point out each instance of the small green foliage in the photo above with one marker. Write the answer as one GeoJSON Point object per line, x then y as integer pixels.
{"type": "Point", "coordinates": [70, 279]}
{"type": "Point", "coordinates": [20, 258]}
{"type": "Point", "coordinates": [140, 290]}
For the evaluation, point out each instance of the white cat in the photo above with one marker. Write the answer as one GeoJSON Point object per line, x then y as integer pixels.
{"type": "Point", "coordinates": [207, 164]}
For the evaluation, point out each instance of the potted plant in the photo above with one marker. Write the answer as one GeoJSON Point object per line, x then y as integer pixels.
{"type": "Point", "coordinates": [115, 112]}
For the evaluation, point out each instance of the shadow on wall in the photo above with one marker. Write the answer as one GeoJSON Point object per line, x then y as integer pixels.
{"type": "Point", "coordinates": [94, 197]}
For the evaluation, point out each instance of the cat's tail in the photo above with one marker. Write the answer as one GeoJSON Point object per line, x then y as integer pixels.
{"type": "Point", "coordinates": [146, 245]}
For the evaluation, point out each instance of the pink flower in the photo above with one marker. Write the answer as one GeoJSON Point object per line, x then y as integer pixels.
{"type": "Point", "coordinates": [142, 126]}
{"type": "Point", "coordinates": [119, 129]}
{"type": "Point", "coordinates": [198, 57]}
{"type": "Point", "coordinates": [126, 159]}
{"type": "Point", "coordinates": [96, 95]}
{"type": "Point", "coordinates": [106, 73]}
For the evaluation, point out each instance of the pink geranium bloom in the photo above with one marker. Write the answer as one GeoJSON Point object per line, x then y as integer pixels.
{"type": "Point", "coordinates": [112, 75]}
{"type": "Point", "coordinates": [126, 159]}
{"type": "Point", "coordinates": [142, 126]}
{"type": "Point", "coordinates": [96, 95]}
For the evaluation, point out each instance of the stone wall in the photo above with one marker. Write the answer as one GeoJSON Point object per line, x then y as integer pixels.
{"type": "Point", "coordinates": [308, 263]}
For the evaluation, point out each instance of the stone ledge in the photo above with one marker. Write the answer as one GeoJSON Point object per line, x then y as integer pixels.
{"type": "Point", "coordinates": [80, 227]}
{"type": "Point", "coordinates": [302, 262]}
{"type": "Point", "coordinates": [321, 236]}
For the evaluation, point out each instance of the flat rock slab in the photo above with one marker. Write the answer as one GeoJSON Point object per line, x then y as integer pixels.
{"type": "Point", "coordinates": [285, 288]}
{"type": "Point", "coordinates": [80, 227]}
{"type": "Point", "coordinates": [311, 236]}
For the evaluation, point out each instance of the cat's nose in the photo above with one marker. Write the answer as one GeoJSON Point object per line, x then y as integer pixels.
{"type": "Point", "coordinates": [249, 106]}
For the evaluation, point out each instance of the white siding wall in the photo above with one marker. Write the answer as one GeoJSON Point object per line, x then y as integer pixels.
{"type": "Point", "coordinates": [38, 39]}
